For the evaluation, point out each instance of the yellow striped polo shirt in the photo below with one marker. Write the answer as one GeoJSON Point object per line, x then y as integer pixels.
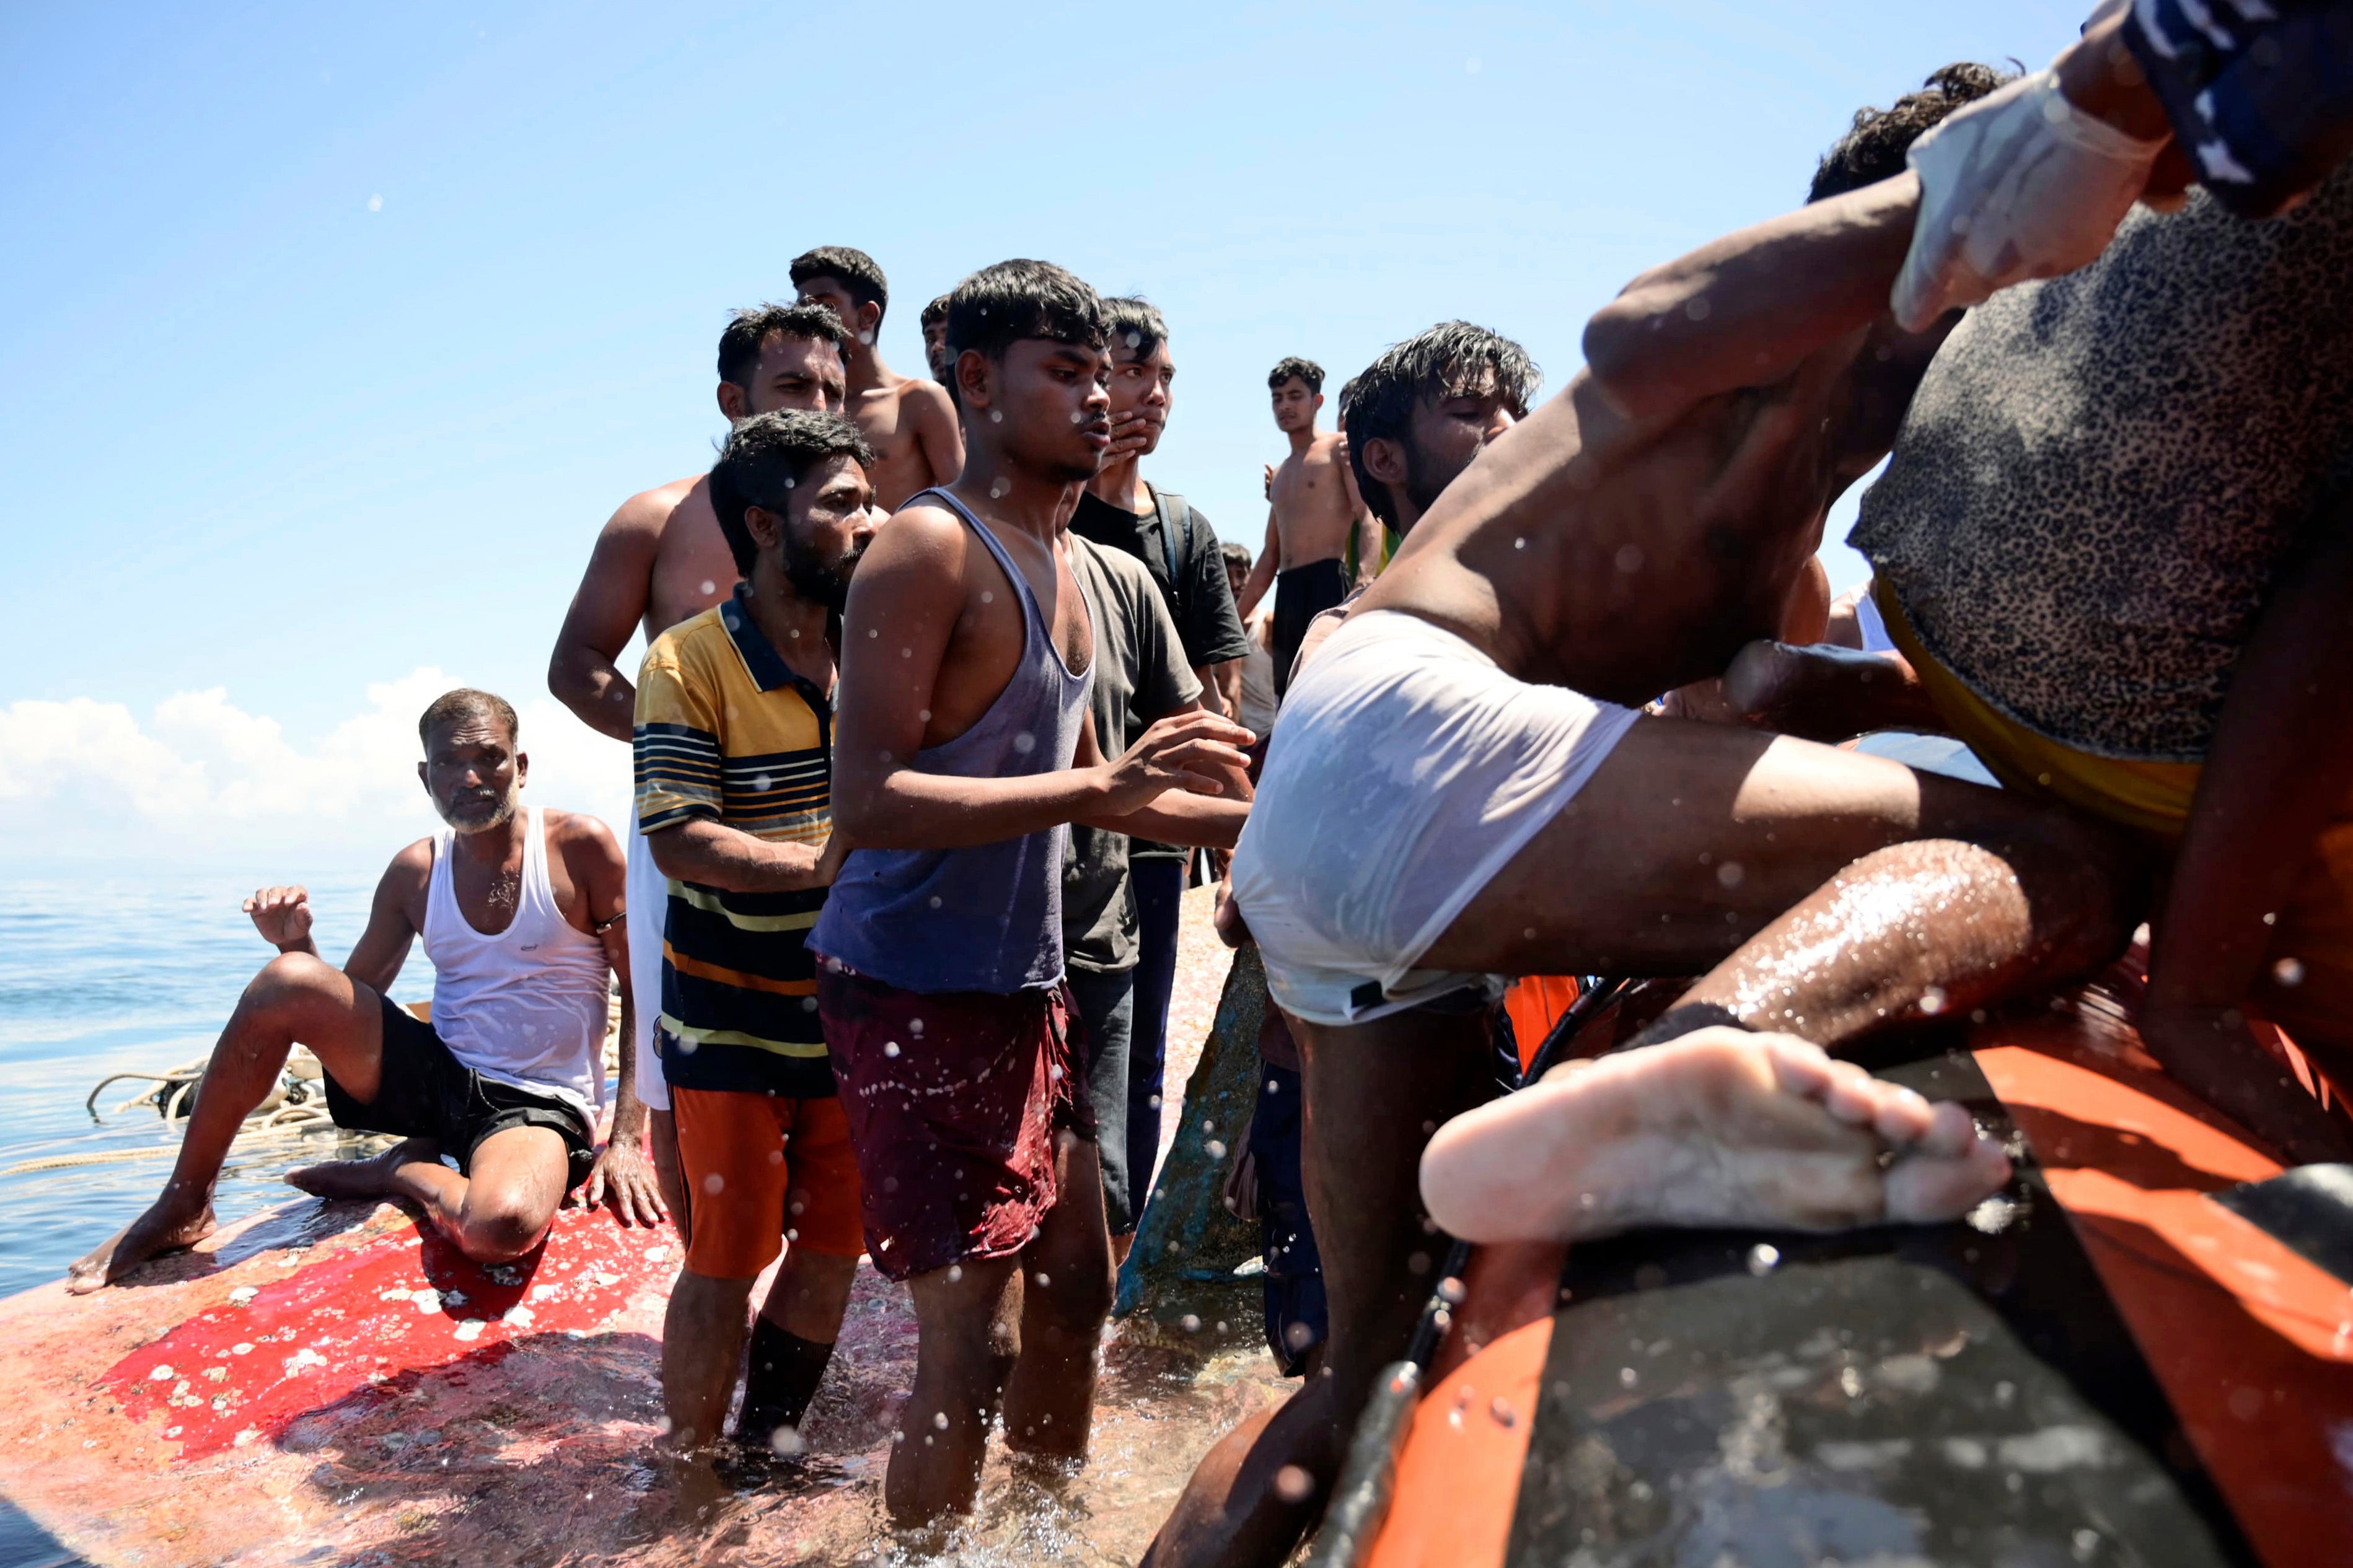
{"type": "Point", "coordinates": [726, 732]}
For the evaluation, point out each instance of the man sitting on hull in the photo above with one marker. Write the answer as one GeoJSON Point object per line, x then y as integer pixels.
{"type": "Point", "coordinates": [520, 909]}
{"type": "Point", "coordinates": [1460, 787]}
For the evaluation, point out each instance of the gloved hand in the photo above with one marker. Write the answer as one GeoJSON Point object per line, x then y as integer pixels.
{"type": "Point", "coordinates": [2019, 184]}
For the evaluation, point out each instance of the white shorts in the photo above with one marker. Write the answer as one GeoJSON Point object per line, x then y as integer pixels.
{"type": "Point", "coordinates": [1406, 770]}
{"type": "Point", "coordinates": [648, 892]}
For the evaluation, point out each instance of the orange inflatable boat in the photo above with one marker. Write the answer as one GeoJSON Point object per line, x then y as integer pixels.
{"type": "Point", "coordinates": [2141, 1354]}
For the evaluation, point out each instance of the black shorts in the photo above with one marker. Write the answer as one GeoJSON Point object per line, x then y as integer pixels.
{"type": "Point", "coordinates": [426, 1092]}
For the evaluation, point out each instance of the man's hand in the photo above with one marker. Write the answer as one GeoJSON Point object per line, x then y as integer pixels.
{"type": "Point", "coordinates": [624, 1176]}
{"type": "Point", "coordinates": [2018, 186]}
{"type": "Point", "coordinates": [283, 916]}
{"type": "Point", "coordinates": [1184, 751]}
{"type": "Point", "coordinates": [1130, 434]}
{"type": "Point", "coordinates": [1269, 482]}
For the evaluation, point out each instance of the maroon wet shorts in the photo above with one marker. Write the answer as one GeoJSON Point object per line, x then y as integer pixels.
{"type": "Point", "coordinates": [953, 1100]}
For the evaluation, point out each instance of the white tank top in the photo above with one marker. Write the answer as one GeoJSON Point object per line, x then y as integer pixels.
{"type": "Point", "coordinates": [527, 1007]}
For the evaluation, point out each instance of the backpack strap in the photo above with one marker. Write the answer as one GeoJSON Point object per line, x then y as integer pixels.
{"type": "Point", "coordinates": [1174, 514]}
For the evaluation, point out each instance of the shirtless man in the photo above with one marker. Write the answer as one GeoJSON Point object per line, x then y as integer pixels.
{"type": "Point", "coordinates": [907, 420]}
{"type": "Point", "coordinates": [660, 560]}
{"type": "Point", "coordinates": [1315, 510]}
{"type": "Point", "coordinates": [965, 748]}
{"type": "Point", "coordinates": [1626, 539]}
{"type": "Point", "coordinates": [519, 912]}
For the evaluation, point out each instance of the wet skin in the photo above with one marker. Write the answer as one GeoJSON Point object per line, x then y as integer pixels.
{"type": "Point", "coordinates": [1627, 538]}
{"type": "Point", "coordinates": [473, 772]}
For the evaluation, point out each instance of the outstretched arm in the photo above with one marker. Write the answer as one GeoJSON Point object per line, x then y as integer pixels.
{"type": "Point", "coordinates": [911, 581]}
{"type": "Point", "coordinates": [1743, 310]}
{"type": "Point", "coordinates": [604, 617]}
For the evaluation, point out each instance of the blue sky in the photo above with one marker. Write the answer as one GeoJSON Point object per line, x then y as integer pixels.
{"type": "Point", "coordinates": [335, 333]}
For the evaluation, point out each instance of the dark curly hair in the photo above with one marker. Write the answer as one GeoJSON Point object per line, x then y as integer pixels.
{"type": "Point", "coordinates": [857, 273]}
{"type": "Point", "coordinates": [739, 345]}
{"type": "Point", "coordinates": [766, 457]}
{"type": "Point", "coordinates": [1306, 370]}
{"type": "Point", "coordinates": [1450, 357]}
{"type": "Point", "coordinates": [1873, 147]}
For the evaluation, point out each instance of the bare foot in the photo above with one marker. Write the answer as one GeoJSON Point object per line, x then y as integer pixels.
{"type": "Point", "coordinates": [1719, 1128]}
{"type": "Point", "coordinates": [370, 1178]}
{"type": "Point", "coordinates": [165, 1227]}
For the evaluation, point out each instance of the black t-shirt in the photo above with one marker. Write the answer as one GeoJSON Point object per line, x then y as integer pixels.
{"type": "Point", "coordinates": [1198, 593]}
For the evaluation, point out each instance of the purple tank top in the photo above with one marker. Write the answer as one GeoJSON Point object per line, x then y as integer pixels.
{"type": "Point", "coordinates": [988, 918]}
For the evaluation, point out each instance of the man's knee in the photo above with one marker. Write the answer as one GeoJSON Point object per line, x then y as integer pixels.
{"type": "Point", "coordinates": [1075, 1300]}
{"type": "Point", "coordinates": [498, 1228]}
{"type": "Point", "coordinates": [292, 981]}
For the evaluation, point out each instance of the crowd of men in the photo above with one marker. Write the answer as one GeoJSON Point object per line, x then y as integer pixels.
{"type": "Point", "coordinates": [942, 698]}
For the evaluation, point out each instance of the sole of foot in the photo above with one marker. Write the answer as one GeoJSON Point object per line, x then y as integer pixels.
{"type": "Point", "coordinates": [1719, 1128]}
{"type": "Point", "coordinates": [368, 1178]}
{"type": "Point", "coordinates": [158, 1231]}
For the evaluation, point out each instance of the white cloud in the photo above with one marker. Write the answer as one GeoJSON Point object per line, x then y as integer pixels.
{"type": "Point", "coordinates": [202, 777]}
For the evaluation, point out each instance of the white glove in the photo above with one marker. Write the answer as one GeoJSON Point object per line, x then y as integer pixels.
{"type": "Point", "coordinates": [2019, 184]}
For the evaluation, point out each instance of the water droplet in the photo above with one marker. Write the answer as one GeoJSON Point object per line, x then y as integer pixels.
{"type": "Point", "coordinates": [996, 487]}
{"type": "Point", "coordinates": [2288, 971]}
{"type": "Point", "coordinates": [889, 1048]}
{"type": "Point", "coordinates": [1849, 1381]}
{"type": "Point", "coordinates": [1293, 1485]}
{"type": "Point", "coordinates": [784, 1442]}
{"type": "Point", "coordinates": [940, 1420]}
{"type": "Point", "coordinates": [1730, 874]}
{"type": "Point", "coordinates": [1763, 1258]}
{"type": "Point", "coordinates": [714, 1184]}
{"type": "Point", "coordinates": [1190, 1323]}
{"type": "Point", "coordinates": [708, 586]}
{"type": "Point", "coordinates": [1932, 1000]}
{"type": "Point", "coordinates": [1628, 1377]}
{"type": "Point", "coordinates": [1216, 1151]}
{"type": "Point", "coordinates": [997, 417]}
{"type": "Point", "coordinates": [1629, 558]}
{"type": "Point", "coordinates": [1024, 743]}
{"type": "Point", "coordinates": [956, 1273]}
{"type": "Point", "coordinates": [375, 204]}
{"type": "Point", "coordinates": [1696, 308]}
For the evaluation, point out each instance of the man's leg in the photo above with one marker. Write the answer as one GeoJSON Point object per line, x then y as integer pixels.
{"type": "Point", "coordinates": [294, 998]}
{"type": "Point", "coordinates": [1106, 1006]}
{"type": "Point", "coordinates": [1839, 892]}
{"type": "Point", "coordinates": [967, 1340]}
{"type": "Point", "coordinates": [1373, 1096]}
{"type": "Point", "coordinates": [792, 1342]}
{"type": "Point", "coordinates": [703, 1344]}
{"type": "Point", "coordinates": [1066, 1294]}
{"type": "Point", "coordinates": [496, 1211]}
{"type": "Point", "coordinates": [1159, 902]}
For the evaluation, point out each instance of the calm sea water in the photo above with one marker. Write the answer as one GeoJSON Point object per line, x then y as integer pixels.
{"type": "Point", "coordinates": [108, 974]}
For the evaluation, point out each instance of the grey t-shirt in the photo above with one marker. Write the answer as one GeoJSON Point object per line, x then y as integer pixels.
{"type": "Point", "coordinates": [2100, 474]}
{"type": "Point", "coordinates": [1139, 676]}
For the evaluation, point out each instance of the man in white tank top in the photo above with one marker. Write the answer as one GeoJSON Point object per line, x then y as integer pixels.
{"type": "Point", "coordinates": [520, 913]}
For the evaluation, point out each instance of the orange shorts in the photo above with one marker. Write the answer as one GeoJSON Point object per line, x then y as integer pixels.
{"type": "Point", "coordinates": [759, 1170]}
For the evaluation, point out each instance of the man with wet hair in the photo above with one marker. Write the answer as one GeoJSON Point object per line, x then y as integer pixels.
{"type": "Point", "coordinates": [1415, 417]}
{"type": "Point", "coordinates": [1625, 539]}
{"type": "Point", "coordinates": [907, 420]}
{"type": "Point", "coordinates": [935, 323]}
{"type": "Point", "coordinates": [1314, 518]}
{"type": "Point", "coordinates": [520, 910]}
{"type": "Point", "coordinates": [965, 750]}
{"type": "Point", "coordinates": [733, 799]}
{"type": "Point", "coordinates": [1119, 510]}
{"type": "Point", "coordinates": [660, 559]}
